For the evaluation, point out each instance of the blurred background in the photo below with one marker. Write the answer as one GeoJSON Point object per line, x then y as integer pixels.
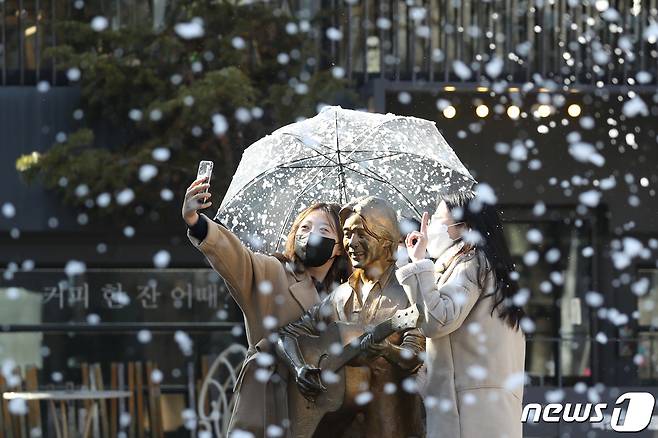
{"type": "Point", "coordinates": [107, 106]}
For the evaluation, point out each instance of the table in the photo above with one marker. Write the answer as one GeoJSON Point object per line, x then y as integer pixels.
{"type": "Point", "coordinates": [67, 395]}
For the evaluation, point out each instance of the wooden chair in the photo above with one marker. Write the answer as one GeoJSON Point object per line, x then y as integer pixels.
{"type": "Point", "coordinates": [143, 406]}
{"type": "Point", "coordinates": [20, 426]}
{"type": "Point", "coordinates": [6, 419]}
{"type": "Point", "coordinates": [34, 407]}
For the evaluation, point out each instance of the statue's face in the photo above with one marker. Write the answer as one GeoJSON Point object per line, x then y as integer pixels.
{"type": "Point", "coordinates": [362, 248]}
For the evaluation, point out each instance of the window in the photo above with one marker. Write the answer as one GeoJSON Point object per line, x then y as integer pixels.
{"type": "Point", "coordinates": [647, 350]}
{"type": "Point", "coordinates": [137, 313]}
{"type": "Point", "coordinates": [548, 252]}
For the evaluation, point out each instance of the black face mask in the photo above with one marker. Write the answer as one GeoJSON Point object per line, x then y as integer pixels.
{"type": "Point", "coordinates": [314, 249]}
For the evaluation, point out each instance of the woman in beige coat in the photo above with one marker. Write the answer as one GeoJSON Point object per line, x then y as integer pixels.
{"type": "Point", "coordinates": [271, 291]}
{"type": "Point", "coordinates": [471, 314]}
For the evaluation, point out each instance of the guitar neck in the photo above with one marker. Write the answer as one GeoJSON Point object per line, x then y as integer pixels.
{"type": "Point", "coordinates": [350, 351]}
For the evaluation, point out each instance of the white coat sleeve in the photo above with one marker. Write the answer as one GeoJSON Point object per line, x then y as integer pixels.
{"type": "Point", "coordinates": [443, 309]}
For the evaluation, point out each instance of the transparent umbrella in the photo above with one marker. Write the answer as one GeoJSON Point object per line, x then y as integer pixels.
{"type": "Point", "coordinates": [337, 156]}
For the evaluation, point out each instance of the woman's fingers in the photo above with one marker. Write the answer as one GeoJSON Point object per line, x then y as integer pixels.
{"type": "Point", "coordinates": [201, 195]}
{"type": "Point", "coordinates": [413, 238]}
{"type": "Point", "coordinates": [196, 194]}
{"type": "Point", "coordinates": [198, 181]}
{"type": "Point", "coordinates": [197, 184]}
{"type": "Point", "coordinates": [424, 222]}
{"type": "Point", "coordinates": [196, 189]}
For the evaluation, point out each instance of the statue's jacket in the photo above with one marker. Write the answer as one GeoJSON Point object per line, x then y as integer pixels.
{"type": "Point", "coordinates": [397, 414]}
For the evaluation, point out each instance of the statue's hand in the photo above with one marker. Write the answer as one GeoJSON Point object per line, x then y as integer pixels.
{"type": "Point", "coordinates": [373, 349]}
{"type": "Point", "coordinates": [308, 381]}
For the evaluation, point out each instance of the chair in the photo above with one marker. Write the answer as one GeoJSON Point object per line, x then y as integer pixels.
{"type": "Point", "coordinates": [20, 426]}
{"type": "Point", "coordinates": [215, 396]}
{"type": "Point", "coordinates": [97, 418]}
{"type": "Point", "coordinates": [143, 406]}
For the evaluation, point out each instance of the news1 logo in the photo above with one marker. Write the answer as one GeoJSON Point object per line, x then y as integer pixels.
{"type": "Point", "coordinates": [637, 418]}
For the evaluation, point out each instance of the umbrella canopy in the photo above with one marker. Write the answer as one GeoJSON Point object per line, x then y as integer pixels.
{"type": "Point", "coordinates": [337, 156]}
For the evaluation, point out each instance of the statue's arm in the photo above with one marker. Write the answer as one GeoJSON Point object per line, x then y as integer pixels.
{"type": "Point", "coordinates": [407, 355]}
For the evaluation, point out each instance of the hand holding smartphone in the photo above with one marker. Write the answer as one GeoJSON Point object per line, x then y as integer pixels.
{"type": "Point", "coordinates": [205, 171]}
{"type": "Point", "coordinates": [197, 196]}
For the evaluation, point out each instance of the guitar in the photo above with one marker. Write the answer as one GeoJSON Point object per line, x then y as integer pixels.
{"type": "Point", "coordinates": [331, 351]}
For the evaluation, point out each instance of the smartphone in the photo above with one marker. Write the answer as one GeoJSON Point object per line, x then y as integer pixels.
{"type": "Point", "coordinates": [205, 171]}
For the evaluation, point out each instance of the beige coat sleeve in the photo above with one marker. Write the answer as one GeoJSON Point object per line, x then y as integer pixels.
{"type": "Point", "coordinates": [443, 308]}
{"type": "Point", "coordinates": [242, 269]}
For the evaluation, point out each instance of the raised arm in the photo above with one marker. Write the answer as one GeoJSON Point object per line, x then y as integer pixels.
{"type": "Point", "coordinates": [242, 269]}
{"type": "Point", "coordinates": [443, 308]}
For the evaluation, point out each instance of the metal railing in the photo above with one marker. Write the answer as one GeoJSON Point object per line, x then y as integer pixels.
{"type": "Point", "coordinates": [571, 42]}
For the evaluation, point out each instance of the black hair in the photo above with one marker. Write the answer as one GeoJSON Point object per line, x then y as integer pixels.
{"type": "Point", "coordinates": [485, 219]}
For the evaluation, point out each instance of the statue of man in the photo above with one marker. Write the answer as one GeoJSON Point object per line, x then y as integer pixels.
{"type": "Point", "coordinates": [371, 295]}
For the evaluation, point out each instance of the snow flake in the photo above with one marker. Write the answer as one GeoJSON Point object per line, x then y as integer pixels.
{"type": "Point", "coordinates": [161, 154]}
{"type": "Point", "coordinates": [75, 267]}
{"type": "Point", "coordinates": [125, 196]}
{"type": "Point", "coordinates": [161, 259]}
{"type": "Point", "coordinates": [219, 124]}
{"type": "Point", "coordinates": [18, 406]}
{"type": "Point", "coordinates": [363, 398]}
{"type": "Point", "coordinates": [190, 30]}
{"type": "Point", "coordinates": [590, 198]}
{"type": "Point", "coordinates": [184, 342]}
{"type": "Point", "coordinates": [8, 210]}
{"type": "Point", "coordinates": [147, 172]}
{"type": "Point", "coordinates": [634, 107]}
{"type": "Point", "coordinates": [461, 70]}
{"type": "Point", "coordinates": [494, 67]}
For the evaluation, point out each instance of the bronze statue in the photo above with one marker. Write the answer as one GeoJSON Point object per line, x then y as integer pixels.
{"type": "Point", "coordinates": [371, 387]}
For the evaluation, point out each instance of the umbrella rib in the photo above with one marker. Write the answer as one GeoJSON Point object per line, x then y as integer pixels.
{"type": "Point", "coordinates": [299, 195]}
{"type": "Point", "coordinates": [312, 166]}
{"type": "Point", "coordinates": [367, 134]}
{"type": "Point", "coordinates": [393, 153]}
{"type": "Point", "coordinates": [265, 173]}
{"type": "Point", "coordinates": [327, 156]}
{"type": "Point", "coordinates": [296, 137]}
{"type": "Point", "coordinates": [381, 180]}
{"type": "Point", "coordinates": [377, 177]}
{"type": "Point", "coordinates": [341, 172]}
{"type": "Point", "coordinates": [425, 157]}
{"type": "Point", "coordinates": [365, 137]}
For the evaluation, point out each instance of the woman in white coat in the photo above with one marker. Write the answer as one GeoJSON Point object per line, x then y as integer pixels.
{"type": "Point", "coordinates": [475, 348]}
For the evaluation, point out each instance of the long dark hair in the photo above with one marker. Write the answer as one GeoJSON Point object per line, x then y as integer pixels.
{"type": "Point", "coordinates": [338, 272]}
{"type": "Point", "coordinates": [484, 218]}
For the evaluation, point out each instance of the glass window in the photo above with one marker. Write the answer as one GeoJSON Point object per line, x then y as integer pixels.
{"type": "Point", "coordinates": [131, 301]}
{"type": "Point", "coordinates": [548, 256]}
{"type": "Point", "coordinates": [647, 347]}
